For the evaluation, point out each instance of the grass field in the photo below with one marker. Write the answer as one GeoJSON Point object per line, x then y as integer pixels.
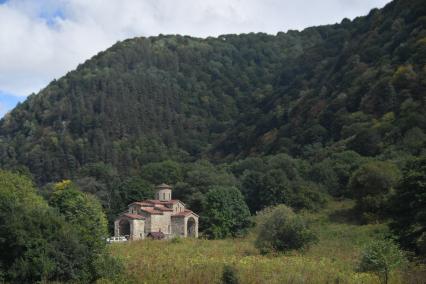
{"type": "Point", "coordinates": [333, 260]}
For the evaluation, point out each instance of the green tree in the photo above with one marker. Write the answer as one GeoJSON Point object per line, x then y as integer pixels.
{"type": "Point", "coordinates": [225, 214]}
{"type": "Point", "coordinates": [382, 257]}
{"type": "Point", "coordinates": [279, 229]}
{"type": "Point", "coordinates": [132, 189]}
{"type": "Point", "coordinates": [167, 171]}
{"type": "Point", "coordinates": [37, 244]}
{"type": "Point", "coordinates": [85, 212]}
{"type": "Point", "coordinates": [372, 185]}
{"type": "Point", "coordinates": [408, 207]}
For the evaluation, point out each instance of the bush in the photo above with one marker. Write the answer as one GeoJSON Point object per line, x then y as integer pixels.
{"type": "Point", "coordinates": [229, 275]}
{"type": "Point", "coordinates": [381, 257]}
{"type": "Point", "coordinates": [280, 230]}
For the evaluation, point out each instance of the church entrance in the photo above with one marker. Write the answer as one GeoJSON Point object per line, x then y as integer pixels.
{"type": "Point", "coordinates": [124, 227]}
{"type": "Point", "coordinates": [191, 226]}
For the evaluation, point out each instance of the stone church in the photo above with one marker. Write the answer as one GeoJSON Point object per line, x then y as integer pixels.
{"type": "Point", "coordinates": [161, 216]}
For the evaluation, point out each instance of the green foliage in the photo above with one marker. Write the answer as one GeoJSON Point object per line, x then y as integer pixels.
{"type": "Point", "coordinates": [371, 185]}
{"type": "Point", "coordinates": [408, 206]}
{"type": "Point", "coordinates": [226, 214]}
{"type": "Point", "coordinates": [280, 179]}
{"type": "Point", "coordinates": [85, 213]}
{"type": "Point", "coordinates": [281, 230]}
{"type": "Point", "coordinates": [133, 189]}
{"type": "Point", "coordinates": [150, 100]}
{"type": "Point", "coordinates": [109, 267]}
{"type": "Point", "coordinates": [229, 275]}
{"type": "Point", "coordinates": [382, 257]}
{"type": "Point", "coordinates": [169, 172]}
{"type": "Point", "coordinates": [37, 243]}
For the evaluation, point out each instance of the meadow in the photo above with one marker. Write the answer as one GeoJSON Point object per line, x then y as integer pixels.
{"type": "Point", "coordinates": [333, 259]}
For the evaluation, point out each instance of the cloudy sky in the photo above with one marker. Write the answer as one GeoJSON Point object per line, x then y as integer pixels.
{"type": "Point", "coordinates": [41, 40]}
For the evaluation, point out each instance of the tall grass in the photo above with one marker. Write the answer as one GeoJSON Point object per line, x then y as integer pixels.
{"type": "Point", "coordinates": [333, 260]}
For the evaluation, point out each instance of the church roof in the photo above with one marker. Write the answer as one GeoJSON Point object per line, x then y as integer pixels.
{"type": "Point", "coordinates": [133, 216]}
{"type": "Point", "coordinates": [152, 211]}
{"type": "Point", "coordinates": [156, 201]}
{"type": "Point", "coordinates": [185, 213]}
{"type": "Point", "coordinates": [163, 186]}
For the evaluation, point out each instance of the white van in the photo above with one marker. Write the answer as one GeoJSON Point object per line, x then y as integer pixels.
{"type": "Point", "coordinates": [116, 240]}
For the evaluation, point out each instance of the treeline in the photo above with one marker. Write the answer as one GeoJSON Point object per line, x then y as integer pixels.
{"type": "Point", "coordinates": [226, 195]}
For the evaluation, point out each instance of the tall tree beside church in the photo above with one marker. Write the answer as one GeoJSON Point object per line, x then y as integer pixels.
{"type": "Point", "coordinates": [225, 213]}
{"type": "Point", "coordinates": [85, 212]}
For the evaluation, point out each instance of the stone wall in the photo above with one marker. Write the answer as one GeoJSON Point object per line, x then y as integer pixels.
{"type": "Point", "coordinates": [147, 228]}
{"type": "Point", "coordinates": [161, 223]}
{"type": "Point", "coordinates": [137, 228]}
{"type": "Point", "coordinates": [178, 207]}
{"type": "Point", "coordinates": [178, 227]}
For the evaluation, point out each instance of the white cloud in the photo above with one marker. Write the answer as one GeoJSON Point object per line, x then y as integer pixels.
{"type": "Point", "coordinates": [42, 40]}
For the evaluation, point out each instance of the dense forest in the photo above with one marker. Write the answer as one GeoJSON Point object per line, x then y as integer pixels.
{"type": "Point", "coordinates": [296, 118]}
{"type": "Point", "coordinates": [352, 86]}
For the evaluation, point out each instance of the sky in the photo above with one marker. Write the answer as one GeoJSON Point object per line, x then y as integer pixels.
{"type": "Point", "coordinates": [41, 40]}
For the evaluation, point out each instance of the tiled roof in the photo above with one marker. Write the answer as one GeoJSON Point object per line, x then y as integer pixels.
{"type": "Point", "coordinates": [154, 206]}
{"type": "Point", "coordinates": [133, 216]}
{"type": "Point", "coordinates": [142, 203]}
{"type": "Point", "coordinates": [185, 213]}
{"type": "Point", "coordinates": [151, 211]}
{"type": "Point", "coordinates": [156, 201]}
{"type": "Point", "coordinates": [163, 185]}
{"type": "Point", "coordinates": [162, 208]}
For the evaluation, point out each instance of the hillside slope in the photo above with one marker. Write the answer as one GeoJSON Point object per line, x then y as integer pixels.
{"type": "Point", "coordinates": [357, 85]}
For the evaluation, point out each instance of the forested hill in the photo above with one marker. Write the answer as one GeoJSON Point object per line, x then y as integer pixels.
{"type": "Point", "coordinates": [359, 85]}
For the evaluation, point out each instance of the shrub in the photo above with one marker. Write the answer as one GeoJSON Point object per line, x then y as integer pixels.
{"type": "Point", "coordinates": [229, 275]}
{"type": "Point", "coordinates": [381, 257]}
{"type": "Point", "coordinates": [280, 229]}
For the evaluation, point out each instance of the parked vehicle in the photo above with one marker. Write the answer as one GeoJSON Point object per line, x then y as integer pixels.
{"type": "Point", "coordinates": [116, 240]}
